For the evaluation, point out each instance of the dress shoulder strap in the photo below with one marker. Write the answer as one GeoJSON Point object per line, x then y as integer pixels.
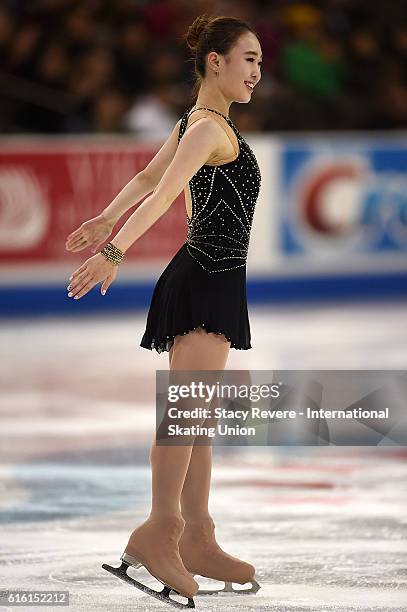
{"type": "Point", "coordinates": [228, 119]}
{"type": "Point", "coordinates": [187, 114]}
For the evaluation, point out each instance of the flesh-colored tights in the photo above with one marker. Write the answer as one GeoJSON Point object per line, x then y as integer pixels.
{"type": "Point", "coordinates": [181, 475]}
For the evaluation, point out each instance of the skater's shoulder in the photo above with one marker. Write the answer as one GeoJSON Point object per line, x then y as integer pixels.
{"type": "Point", "coordinates": [227, 145]}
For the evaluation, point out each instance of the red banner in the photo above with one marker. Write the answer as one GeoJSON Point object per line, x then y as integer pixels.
{"type": "Point", "coordinates": [47, 189]}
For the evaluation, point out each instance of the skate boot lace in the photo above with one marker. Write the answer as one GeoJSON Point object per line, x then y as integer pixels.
{"type": "Point", "coordinates": [207, 537]}
{"type": "Point", "coordinates": [172, 539]}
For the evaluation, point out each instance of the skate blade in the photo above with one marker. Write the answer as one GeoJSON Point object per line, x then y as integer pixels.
{"type": "Point", "coordinates": [228, 588]}
{"type": "Point", "coordinates": [164, 595]}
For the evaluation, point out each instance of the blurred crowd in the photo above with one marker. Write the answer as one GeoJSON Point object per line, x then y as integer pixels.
{"type": "Point", "coordinates": [120, 66]}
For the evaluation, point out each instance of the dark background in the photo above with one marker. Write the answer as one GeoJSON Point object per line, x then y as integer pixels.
{"type": "Point", "coordinates": [104, 66]}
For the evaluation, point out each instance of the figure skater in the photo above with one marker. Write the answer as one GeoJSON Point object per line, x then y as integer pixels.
{"type": "Point", "coordinates": [198, 309]}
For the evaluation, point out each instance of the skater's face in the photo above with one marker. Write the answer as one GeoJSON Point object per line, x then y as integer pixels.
{"type": "Point", "coordinates": [241, 65]}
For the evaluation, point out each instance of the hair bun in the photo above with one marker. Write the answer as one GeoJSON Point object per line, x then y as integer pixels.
{"type": "Point", "coordinates": [195, 30]}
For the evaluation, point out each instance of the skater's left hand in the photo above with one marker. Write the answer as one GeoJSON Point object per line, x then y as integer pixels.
{"type": "Point", "coordinates": [93, 271]}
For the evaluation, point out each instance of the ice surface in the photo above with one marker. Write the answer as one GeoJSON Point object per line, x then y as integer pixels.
{"type": "Point", "coordinates": [324, 526]}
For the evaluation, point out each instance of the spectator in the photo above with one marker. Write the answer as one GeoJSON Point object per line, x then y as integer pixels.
{"type": "Point", "coordinates": [151, 115]}
{"type": "Point", "coordinates": [70, 66]}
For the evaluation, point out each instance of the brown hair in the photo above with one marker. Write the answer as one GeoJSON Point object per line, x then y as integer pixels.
{"type": "Point", "coordinates": [208, 34]}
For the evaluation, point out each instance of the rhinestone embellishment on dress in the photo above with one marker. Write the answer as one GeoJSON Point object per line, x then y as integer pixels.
{"type": "Point", "coordinates": [223, 202]}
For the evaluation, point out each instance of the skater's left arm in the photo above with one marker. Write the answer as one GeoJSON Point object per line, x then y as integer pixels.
{"type": "Point", "coordinates": [195, 148]}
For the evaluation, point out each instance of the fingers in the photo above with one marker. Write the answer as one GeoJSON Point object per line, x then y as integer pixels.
{"type": "Point", "coordinates": [74, 234]}
{"type": "Point", "coordinates": [83, 289]}
{"type": "Point", "coordinates": [106, 284]}
{"type": "Point", "coordinates": [78, 240]}
{"type": "Point", "coordinates": [77, 245]}
{"type": "Point", "coordinates": [91, 233]}
{"type": "Point", "coordinates": [93, 271]}
{"type": "Point", "coordinates": [78, 283]}
{"type": "Point", "coordinates": [81, 243]}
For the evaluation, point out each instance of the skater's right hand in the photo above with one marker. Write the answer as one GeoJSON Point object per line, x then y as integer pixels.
{"type": "Point", "coordinates": [92, 233]}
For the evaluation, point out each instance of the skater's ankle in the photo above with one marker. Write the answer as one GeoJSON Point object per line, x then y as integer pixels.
{"type": "Point", "coordinates": [195, 517]}
{"type": "Point", "coordinates": [159, 515]}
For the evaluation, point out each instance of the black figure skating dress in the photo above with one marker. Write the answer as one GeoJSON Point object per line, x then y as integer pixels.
{"type": "Point", "coordinates": [204, 285]}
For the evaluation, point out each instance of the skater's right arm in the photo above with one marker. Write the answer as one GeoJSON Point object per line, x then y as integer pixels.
{"type": "Point", "coordinates": [145, 181]}
{"type": "Point", "coordinates": [197, 145]}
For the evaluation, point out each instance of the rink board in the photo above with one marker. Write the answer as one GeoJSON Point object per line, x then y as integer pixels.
{"type": "Point", "coordinates": [330, 223]}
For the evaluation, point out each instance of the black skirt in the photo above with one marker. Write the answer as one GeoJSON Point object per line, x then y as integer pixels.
{"type": "Point", "coordinates": [186, 297]}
